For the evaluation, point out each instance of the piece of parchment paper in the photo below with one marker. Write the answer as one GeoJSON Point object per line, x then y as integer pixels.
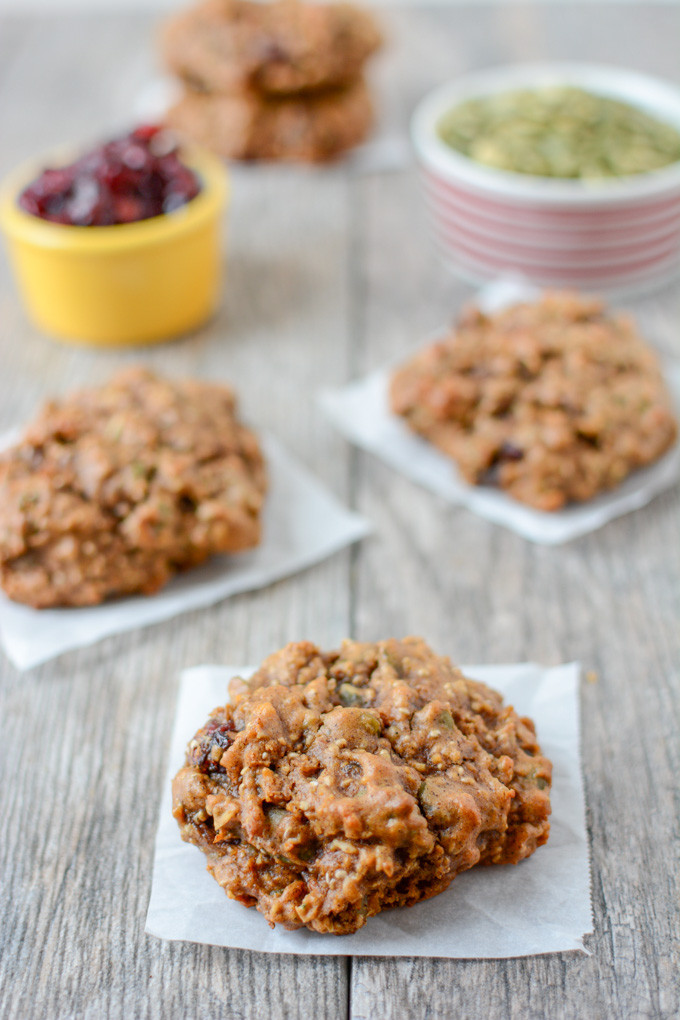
{"type": "Point", "coordinates": [361, 412]}
{"type": "Point", "coordinates": [303, 523]}
{"type": "Point", "coordinates": [539, 906]}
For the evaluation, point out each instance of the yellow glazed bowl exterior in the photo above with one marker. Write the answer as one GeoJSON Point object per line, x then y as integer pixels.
{"type": "Point", "coordinates": [133, 283]}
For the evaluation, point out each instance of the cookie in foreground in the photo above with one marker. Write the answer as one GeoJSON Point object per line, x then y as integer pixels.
{"type": "Point", "coordinates": [553, 401]}
{"type": "Point", "coordinates": [114, 489]}
{"type": "Point", "coordinates": [337, 784]}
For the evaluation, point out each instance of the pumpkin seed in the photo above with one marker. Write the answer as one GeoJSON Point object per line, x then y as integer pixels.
{"type": "Point", "coordinates": [370, 723]}
{"type": "Point", "coordinates": [350, 695]}
{"type": "Point", "coordinates": [560, 131]}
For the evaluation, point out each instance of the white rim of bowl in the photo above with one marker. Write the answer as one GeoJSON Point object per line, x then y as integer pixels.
{"type": "Point", "coordinates": [659, 98]}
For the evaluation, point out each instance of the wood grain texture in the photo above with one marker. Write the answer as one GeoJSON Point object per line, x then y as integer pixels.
{"type": "Point", "coordinates": [479, 593]}
{"type": "Point", "coordinates": [331, 273]}
{"type": "Point", "coordinates": [85, 737]}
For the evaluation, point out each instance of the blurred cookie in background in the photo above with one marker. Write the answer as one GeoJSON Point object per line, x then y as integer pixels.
{"type": "Point", "coordinates": [280, 48]}
{"type": "Point", "coordinates": [250, 126]}
{"type": "Point", "coordinates": [275, 81]}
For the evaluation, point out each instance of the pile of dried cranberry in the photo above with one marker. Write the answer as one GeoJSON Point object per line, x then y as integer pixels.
{"type": "Point", "coordinates": [128, 179]}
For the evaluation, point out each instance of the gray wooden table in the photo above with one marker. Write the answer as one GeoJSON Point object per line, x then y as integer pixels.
{"type": "Point", "coordinates": [330, 273]}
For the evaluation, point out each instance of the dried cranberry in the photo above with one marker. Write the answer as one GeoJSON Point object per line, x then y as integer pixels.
{"type": "Point", "coordinates": [128, 209]}
{"type": "Point", "coordinates": [126, 180]}
{"type": "Point", "coordinates": [82, 205]}
{"type": "Point", "coordinates": [509, 451]}
{"type": "Point", "coordinates": [145, 132]}
{"type": "Point", "coordinates": [136, 157]}
{"type": "Point", "coordinates": [31, 204]}
{"type": "Point", "coordinates": [205, 753]}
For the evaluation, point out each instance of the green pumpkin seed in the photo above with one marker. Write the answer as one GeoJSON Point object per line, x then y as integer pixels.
{"type": "Point", "coordinates": [370, 723]}
{"type": "Point", "coordinates": [560, 131]}
{"type": "Point", "coordinates": [350, 695]}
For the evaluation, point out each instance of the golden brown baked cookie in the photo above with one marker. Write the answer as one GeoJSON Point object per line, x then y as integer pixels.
{"type": "Point", "coordinates": [114, 489]}
{"type": "Point", "coordinates": [283, 47]}
{"type": "Point", "coordinates": [553, 401]}
{"type": "Point", "coordinates": [247, 126]}
{"type": "Point", "coordinates": [337, 784]}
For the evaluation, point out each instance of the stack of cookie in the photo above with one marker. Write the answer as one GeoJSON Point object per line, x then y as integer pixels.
{"type": "Point", "coordinates": [279, 81]}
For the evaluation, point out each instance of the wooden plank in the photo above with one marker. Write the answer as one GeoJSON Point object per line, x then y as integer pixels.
{"type": "Point", "coordinates": [331, 273]}
{"type": "Point", "coordinates": [479, 593]}
{"type": "Point", "coordinates": [83, 740]}
{"type": "Point", "coordinates": [13, 32]}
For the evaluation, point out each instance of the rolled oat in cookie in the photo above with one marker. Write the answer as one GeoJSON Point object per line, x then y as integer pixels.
{"type": "Point", "coordinates": [553, 401]}
{"type": "Point", "coordinates": [337, 784]}
{"type": "Point", "coordinates": [114, 489]}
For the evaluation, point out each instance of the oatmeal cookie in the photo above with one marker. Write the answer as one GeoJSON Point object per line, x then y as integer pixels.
{"type": "Point", "coordinates": [337, 784]}
{"type": "Point", "coordinates": [280, 48]}
{"type": "Point", "coordinates": [553, 401]}
{"type": "Point", "coordinates": [247, 126]}
{"type": "Point", "coordinates": [114, 489]}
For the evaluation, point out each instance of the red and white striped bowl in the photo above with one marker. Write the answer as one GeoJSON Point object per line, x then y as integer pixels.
{"type": "Point", "coordinates": [617, 234]}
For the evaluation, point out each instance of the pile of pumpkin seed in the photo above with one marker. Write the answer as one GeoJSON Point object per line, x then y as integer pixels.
{"type": "Point", "coordinates": [560, 131]}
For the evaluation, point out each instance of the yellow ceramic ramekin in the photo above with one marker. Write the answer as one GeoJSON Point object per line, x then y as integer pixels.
{"type": "Point", "coordinates": [132, 283]}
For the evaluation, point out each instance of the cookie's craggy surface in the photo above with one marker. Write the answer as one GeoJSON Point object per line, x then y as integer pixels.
{"type": "Point", "coordinates": [338, 784]}
{"type": "Point", "coordinates": [248, 126]}
{"type": "Point", "coordinates": [553, 401]}
{"type": "Point", "coordinates": [281, 48]}
{"type": "Point", "coordinates": [115, 489]}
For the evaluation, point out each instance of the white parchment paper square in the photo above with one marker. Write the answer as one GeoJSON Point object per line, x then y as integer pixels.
{"type": "Point", "coordinates": [361, 412]}
{"type": "Point", "coordinates": [539, 906]}
{"type": "Point", "coordinates": [303, 523]}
